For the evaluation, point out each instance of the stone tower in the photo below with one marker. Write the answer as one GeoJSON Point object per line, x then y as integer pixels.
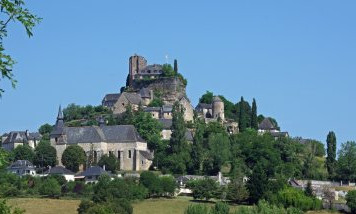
{"type": "Point", "coordinates": [218, 108]}
{"type": "Point", "coordinates": [136, 63]}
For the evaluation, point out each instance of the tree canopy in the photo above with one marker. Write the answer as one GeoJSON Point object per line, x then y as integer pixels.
{"type": "Point", "coordinates": [73, 156]}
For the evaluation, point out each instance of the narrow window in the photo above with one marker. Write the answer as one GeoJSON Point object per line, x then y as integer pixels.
{"type": "Point", "coordinates": [129, 153]}
{"type": "Point", "coordinates": [142, 162]}
{"type": "Point", "coordinates": [118, 155]}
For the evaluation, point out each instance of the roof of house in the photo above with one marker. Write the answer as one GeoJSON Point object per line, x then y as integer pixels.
{"type": "Point", "coordinates": [151, 109]}
{"type": "Point", "coordinates": [110, 134]}
{"type": "Point", "coordinates": [21, 164]}
{"type": "Point", "coordinates": [145, 93]}
{"type": "Point", "coordinates": [133, 98]}
{"type": "Point", "coordinates": [166, 123]}
{"type": "Point", "coordinates": [59, 170]}
{"type": "Point", "coordinates": [94, 171]}
{"type": "Point", "coordinates": [111, 97]}
{"type": "Point", "coordinates": [279, 134]}
{"type": "Point", "coordinates": [167, 108]}
{"type": "Point", "coordinates": [266, 124]}
{"type": "Point", "coordinates": [21, 137]}
{"type": "Point", "coordinates": [204, 106]}
{"type": "Point", "coordinates": [148, 155]}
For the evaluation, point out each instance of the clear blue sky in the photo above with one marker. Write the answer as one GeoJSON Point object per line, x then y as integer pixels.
{"type": "Point", "coordinates": [297, 58]}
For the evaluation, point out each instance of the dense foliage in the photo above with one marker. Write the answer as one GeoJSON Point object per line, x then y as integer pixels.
{"type": "Point", "coordinates": [351, 200]}
{"type": "Point", "coordinates": [75, 115]}
{"type": "Point", "coordinates": [72, 157]}
{"type": "Point", "coordinates": [45, 155]}
{"type": "Point", "coordinates": [110, 162]}
{"type": "Point", "coordinates": [331, 152]}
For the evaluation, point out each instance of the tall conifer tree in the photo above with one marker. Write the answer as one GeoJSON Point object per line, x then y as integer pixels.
{"type": "Point", "coordinates": [331, 152]}
{"type": "Point", "coordinates": [242, 115]}
{"type": "Point", "coordinates": [254, 123]}
{"type": "Point", "coordinates": [175, 66]}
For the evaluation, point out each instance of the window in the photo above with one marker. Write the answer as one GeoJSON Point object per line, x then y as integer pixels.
{"type": "Point", "coordinates": [123, 104]}
{"type": "Point", "coordinates": [95, 157]}
{"type": "Point", "coordinates": [142, 162]}
{"type": "Point", "coordinates": [129, 153]}
{"type": "Point", "coordinates": [119, 155]}
{"type": "Point", "coordinates": [56, 139]}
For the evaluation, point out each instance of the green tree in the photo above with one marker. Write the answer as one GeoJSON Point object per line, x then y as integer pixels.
{"type": "Point", "coordinates": [45, 131]}
{"type": "Point", "coordinates": [50, 187]}
{"type": "Point", "coordinates": [207, 97]}
{"type": "Point", "coordinates": [13, 10]}
{"type": "Point", "coordinates": [331, 153]}
{"type": "Point", "coordinates": [196, 209]}
{"type": "Point", "coordinates": [73, 156]}
{"type": "Point", "coordinates": [347, 161]}
{"type": "Point", "coordinates": [257, 184]}
{"type": "Point", "coordinates": [175, 66]}
{"type": "Point", "coordinates": [168, 71]}
{"type": "Point", "coordinates": [24, 152]}
{"type": "Point", "coordinates": [151, 182]}
{"type": "Point", "coordinates": [309, 189]}
{"type": "Point", "coordinates": [220, 208]}
{"type": "Point", "coordinates": [351, 200]}
{"type": "Point", "coordinates": [110, 161]}
{"type": "Point", "coordinates": [203, 189]}
{"type": "Point", "coordinates": [4, 155]}
{"type": "Point", "coordinates": [45, 155]}
{"type": "Point", "coordinates": [168, 185]}
{"type": "Point", "coordinates": [178, 141]}
{"type": "Point", "coordinates": [197, 153]}
{"type": "Point", "coordinates": [244, 114]}
{"type": "Point", "coordinates": [237, 190]}
{"type": "Point", "coordinates": [254, 122]}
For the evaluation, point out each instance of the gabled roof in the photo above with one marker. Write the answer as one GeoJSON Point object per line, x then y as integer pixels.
{"type": "Point", "coordinates": [148, 155]}
{"type": "Point", "coordinates": [167, 108]}
{"type": "Point", "coordinates": [110, 134]}
{"type": "Point", "coordinates": [93, 171]}
{"type": "Point", "coordinates": [59, 170]}
{"type": "Point", "coordinates": [133, 98]}
{"type": "Point", "coordinates": [216, 99]}
{"type": "Point", "coordinates": [145, 93]}
{"type": "Point", "coordinates": [266, 124]}
{"type": "Point", "coordinates": [111, 97]}
{"type": "Point", "coordinates": [152, 109]}
{"type": "Point", "coordinates": [21, 137]}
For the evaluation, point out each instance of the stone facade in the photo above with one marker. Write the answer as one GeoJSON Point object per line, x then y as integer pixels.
{"type": "Point", "coordinates": [122, 141]}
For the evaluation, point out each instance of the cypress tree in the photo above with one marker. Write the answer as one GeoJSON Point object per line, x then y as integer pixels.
{"type": "Point", "coordinates": [242, 115]}
{"type": "Point", "coordinates": [331, 152]}
{"type": "Point", "coordinates": [175, 66]}
{"type": "Point", "coordinates": [254, 123]}
{"type": "Point", "coordinates": [178, 140]}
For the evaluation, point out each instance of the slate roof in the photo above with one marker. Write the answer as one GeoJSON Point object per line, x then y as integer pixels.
{"type": "Point", "coordinates": [279, 134]}
{"type": "Point", "coordinates": [111, 97]}
{"type": "Point", "coordinates": [21, 164]}
{"type": "Point", "coordinates": [145, 93]}
{"type": "Point", "coordinates": [151, 109]}
{"type": "Point", "coordinates": [167, 108]}
{"type": "Point", "coordinates": [109, 134]}
{"type": "Point", "coordinates": [204, 106]}
{"type": "Point", "coordinates": [154, 69]}
{"type": "Point", "coordinates": [166, 123]}
{"type": "Point", "coordinates": [59, 170]}
{"type": "Point", "coordinates": [266, 124]}
{"type": "Point", "coordinates": [146, 154]}
{"type": "Point", "coordinates": [133, 98]}
{"type": "Point", "coordinates": [93, 171]}
{"type": "Point", "coordinates": [21, 137]}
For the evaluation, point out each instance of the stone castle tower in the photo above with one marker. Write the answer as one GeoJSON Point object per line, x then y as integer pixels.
{"type": "Point", "coordinates": [218, 108]}
{"type": "Point", "coordinates": [136, 63]}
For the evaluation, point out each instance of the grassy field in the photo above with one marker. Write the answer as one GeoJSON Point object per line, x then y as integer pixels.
{"type": "Point", "coordinates": [150, 206]}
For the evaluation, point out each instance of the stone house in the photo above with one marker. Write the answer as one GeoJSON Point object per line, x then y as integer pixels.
{"type": "Point", "coordinates": [22, 168]}
{"type": "Point", "coordinates": [121, 140]}
{"type": "Point", "coordinates": [118, 103]}
{"type": "Point", "coordinates": [266, 126]}
{"type": "Point", "coordinates": [15, 138]}
{"type": "Point", "coordinates": [60, 170]}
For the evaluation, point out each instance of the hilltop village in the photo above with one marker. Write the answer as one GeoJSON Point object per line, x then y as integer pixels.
{"type": "Point", "coordinates": [150, 130]}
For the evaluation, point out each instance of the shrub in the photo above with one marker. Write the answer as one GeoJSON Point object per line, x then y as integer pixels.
{"type": "Point", "coordinates": [351, 200]}
{"type": "Point", "coordinates": [220, 208]}
{"type": "Point", "coordinates": [265, 208]}
{"type": "Point", "coordinates": [50, 187]}
{"type": "Point", "coordinates": [196, 209]}
{"type": "Point", "coordinates": [203, 189]}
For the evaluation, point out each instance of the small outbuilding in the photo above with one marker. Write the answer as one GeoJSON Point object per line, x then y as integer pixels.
{"type": "Point", "coordinates": [22, 168]}
{"type": "Point", "coordinates": [60, 170]}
